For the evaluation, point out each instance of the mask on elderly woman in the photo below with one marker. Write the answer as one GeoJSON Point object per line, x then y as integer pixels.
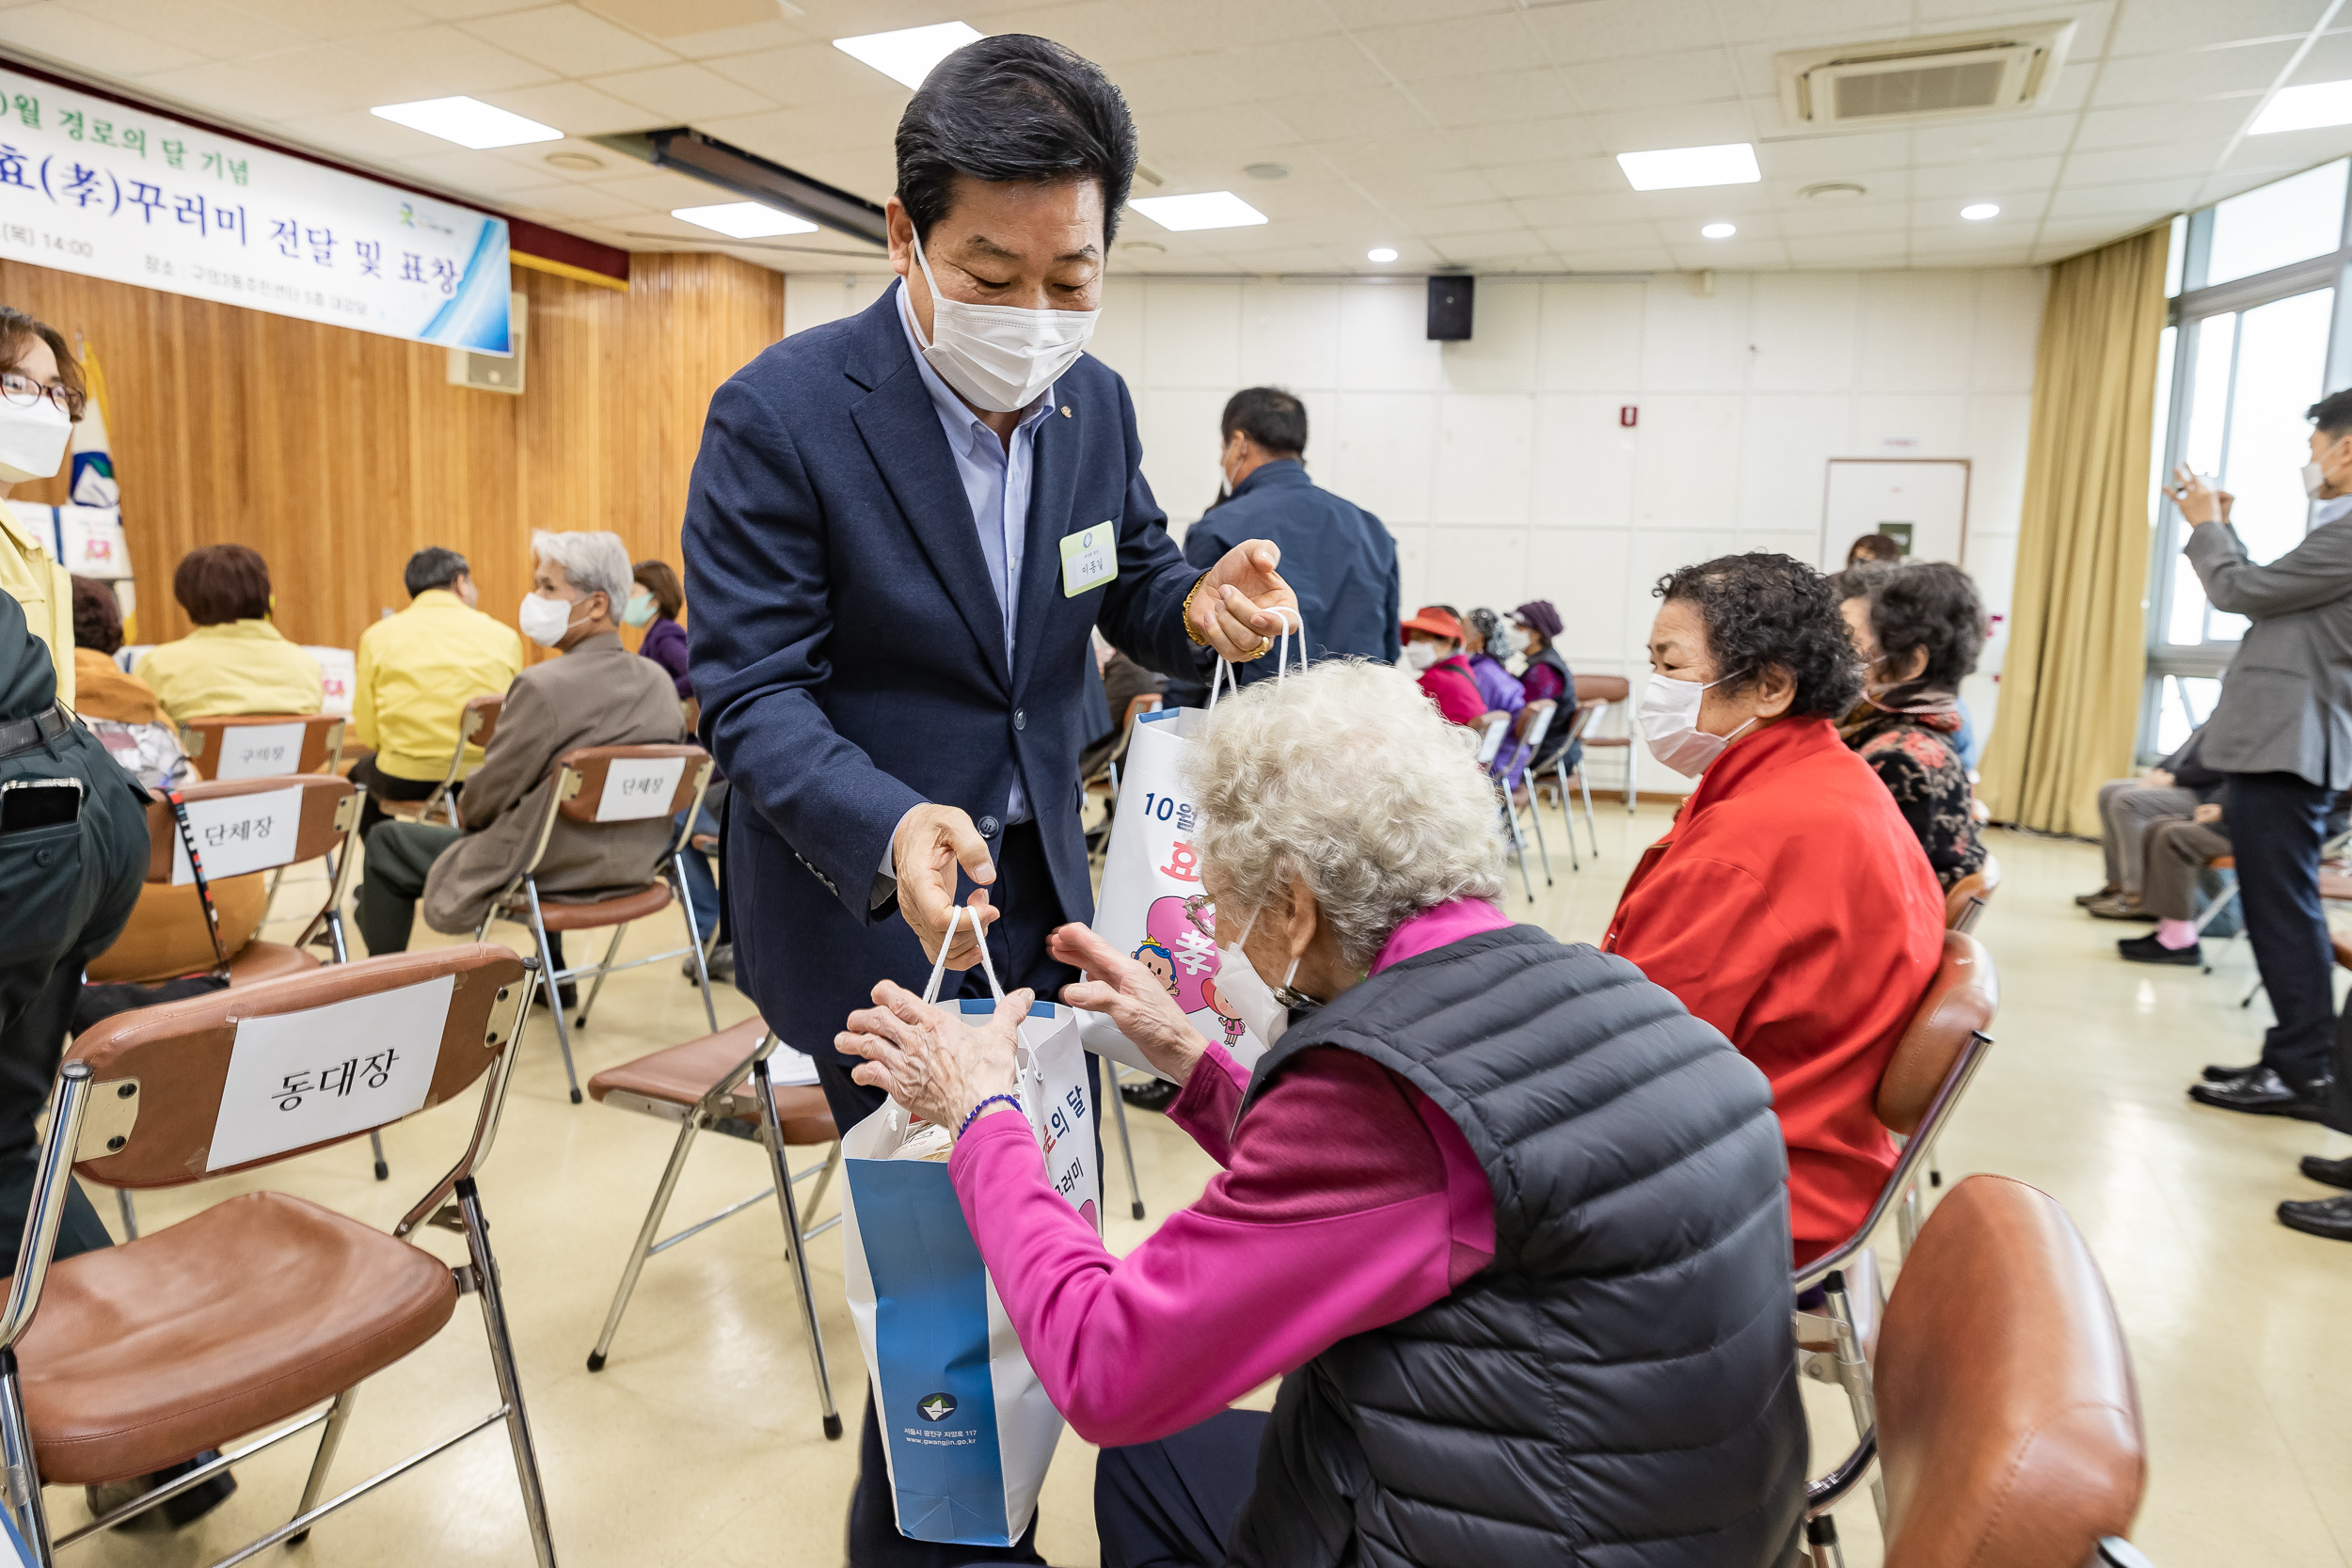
{"type": "Point", "coordinates": [1516, 637]}
{"type": "Point", "coordinates": [1246, 991]}
{"type": "Point", "coordinates": [1420, 656]}
{"type": "Point", "coordinates": [1670, 722]}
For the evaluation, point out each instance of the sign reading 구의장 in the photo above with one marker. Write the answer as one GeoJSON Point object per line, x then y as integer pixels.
{"type": "Point", "coordinates": [90, 187]}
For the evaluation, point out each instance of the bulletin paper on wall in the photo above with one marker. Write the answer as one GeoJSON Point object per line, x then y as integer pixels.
{"type": "Point", "coordinates": [90, 187]}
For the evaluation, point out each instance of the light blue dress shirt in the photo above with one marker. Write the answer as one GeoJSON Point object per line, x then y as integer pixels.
{"type": "Point", "coordinates": [996, 480]}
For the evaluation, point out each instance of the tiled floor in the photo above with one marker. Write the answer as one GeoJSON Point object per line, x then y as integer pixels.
{"type": "Point", "coordinates": [700, 1442]}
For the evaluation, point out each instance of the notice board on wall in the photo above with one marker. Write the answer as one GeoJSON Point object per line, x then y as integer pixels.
{"type": "Point", "coordinates": [1922, 503]}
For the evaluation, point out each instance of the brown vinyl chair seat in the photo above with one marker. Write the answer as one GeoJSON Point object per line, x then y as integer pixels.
{"type": "Point", "coordinates": [165, 936]}
{"type": "Point", "coordinates": [268, 960]}
{"type": "Point", "coordinates": [234, 1319]}
{"type": "Point", "coordinates": [595, 913]}
{"type": "Point", "coordinates": [682, 1074]}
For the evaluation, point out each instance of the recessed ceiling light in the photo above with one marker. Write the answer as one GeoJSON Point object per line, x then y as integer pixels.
{"type": "Point", "coordinates": [2305, 108]}
{"type": "Point", "coordinates": [1268, 171]}
{"type": "Point", "coordinates": [1719, 231]}
{"type": "Point", "coordinates": [743, 220]}
{"type": "Point", "coordinates": [1380, 253]}
{"type": "Point", "coordinates": [580, 161]}
{"type": "Point", "coordinates": [1834, 190]}
{"type": "Point", "coordinates": [1206, 210]}
{"type": "Point", "coordinates": [1976, 211]}
{"type": "Point", "coordinates": [907, 54]}
{"type": "Point", "coordinates": [466, 122]}
{"type": "Point", "coordinates": [1676, 168]}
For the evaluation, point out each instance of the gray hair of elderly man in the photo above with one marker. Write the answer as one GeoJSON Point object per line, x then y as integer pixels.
{"type": "Point", "coordinates": [592, 561]}
{"type": "Point", "coordinates": [1348, 778]}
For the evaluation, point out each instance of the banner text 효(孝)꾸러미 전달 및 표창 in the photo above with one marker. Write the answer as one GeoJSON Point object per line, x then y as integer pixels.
{"type": "Point", "coordinates": [94, 187]}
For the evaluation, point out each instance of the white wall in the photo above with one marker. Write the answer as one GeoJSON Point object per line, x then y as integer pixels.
{"type": "Point", "coordinates": [1500, 463]}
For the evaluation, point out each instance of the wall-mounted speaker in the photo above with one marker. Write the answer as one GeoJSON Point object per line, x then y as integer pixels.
{"type": "Point", "coordinates": [1450, 299]}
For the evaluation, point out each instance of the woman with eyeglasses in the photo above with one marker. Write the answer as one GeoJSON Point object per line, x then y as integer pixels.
{"type": "Point", "coordinates": [41, 396]}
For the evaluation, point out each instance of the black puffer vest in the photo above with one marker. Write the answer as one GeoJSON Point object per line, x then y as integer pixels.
{"type": "Point", "coordinates": [1619, 1385]}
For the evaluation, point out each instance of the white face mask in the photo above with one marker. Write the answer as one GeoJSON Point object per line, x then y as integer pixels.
{"type": "Point", "coordinates": [1516, 640]}
{"type": "Point", "coordinates": [1246, 991]}
{"type": "Point", "coordinates": [999, 356]}
{"type": "Point", "coordinates": [2314, 478]}
{"type": "Point", "coordinates": [544, 620]}
{"type": "Point", "coordinates": [1420, 656]}
{"type": "Point", "coordinates": [1670, 722]}
{"type": "Point", "coordinates": [32, 440]}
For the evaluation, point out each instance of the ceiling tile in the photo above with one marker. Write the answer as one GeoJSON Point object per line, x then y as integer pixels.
{"type": "Point", "coordinates": [2162, 122]}
{"type": "Point", "coordinates": [338, 19]}
{"type": "Point", "coordinates": [2114, 166]}
{"type": "Point", "coordinates": [1649, 258]}
{"type": "Point", "coordinates": [1820, 156]}
{"type": "Point", "coordinates": [1450, 188]}
{"type": "Point", "coordinates": [573, 108]}
{"type": "Point", "coordinates": [1556, 176]}
{"type": "Point", "coordinates": [1698, 125]}
{"type": "Point", "coordinates": [1454, 46]}
{"type": "Point", "coordinates": [62, 33]}
{"type": "Point", "coordinates": [1545, 141]}
{"type": "Point", "coordinates": [1109, 32]}
{"type": "Point", "coordinates": [808, 73]}
{"type": "Point", "coordinates": [573, 202]}
{"type": "Point", "coordinates": [1989, 179]}
{"type": "Point", "coordinates": [1865, 217]}
{"type": "Point", "coordinates": [1613, 29]}
{"type": "Point", "coordinates": [1798, 23]}
{"type": "Point", "coordinates": [2178, 78]}
{"type": "Point", "coordinates": [443, 60]}
{"type": "Point", "coordinates": [1512, 98]}
{"type": "Point", "coordinates": [1606, 206]}
{"type": "Point", "coordinates": [791, 135]}
{"type": "Point", "coordinates": [209, 29]}
{"type": "Point", "coordinates": [570, 41]}
{"type": "Point", "coordinates": [1311, 66]}
{"type": "Point", "coordinates": [2151, 30]}
{"type": "Point", "coordinates": [660, 189]}
{"type": "Point", "coordinates": [2330, 60]}
{"type": "Point", "coordinates": [466, 10]}
{"type": "Point", "coordinates": [684, 93]}
{"type": "Point", "coordinates": [463, 168]}
{"type": "Point", "coordinates": [1179, 82]}
{"type": "Point", "coordinates": [253, 90]}
{"type": "Point", "coordinates": [1966, 141]}
{"type": "Point", "coordinates": [1651, 81]}
{"type": "Point", "coordinates": [2138, 202]}
{"type": "Point", "coordinates": [1569, 237]}
{"type": "Point", "coordinates": [361, 135]}
{"type": "Point", "coordinates": [1850, 250]}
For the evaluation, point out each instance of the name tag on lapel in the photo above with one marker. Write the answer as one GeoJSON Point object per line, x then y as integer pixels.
{"type": "Point", "coordinates": [1089, 559]}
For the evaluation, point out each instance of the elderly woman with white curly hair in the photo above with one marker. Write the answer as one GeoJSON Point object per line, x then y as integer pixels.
{"type": "Point", "coordinates": [1512, 1220]}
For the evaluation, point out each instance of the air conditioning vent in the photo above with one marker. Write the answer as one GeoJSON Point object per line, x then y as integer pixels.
{"type": "Point", "coordinates": [1952, 75]}
{"type": "Point", "coordinates": [494, 372]}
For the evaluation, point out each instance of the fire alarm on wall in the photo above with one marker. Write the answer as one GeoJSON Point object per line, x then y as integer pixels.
{"type": "Point", "coordinates": [1629, 415]}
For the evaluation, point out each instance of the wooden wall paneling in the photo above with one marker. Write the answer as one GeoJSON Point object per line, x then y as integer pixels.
{"type": "Point", "coordinates": [338, 453]}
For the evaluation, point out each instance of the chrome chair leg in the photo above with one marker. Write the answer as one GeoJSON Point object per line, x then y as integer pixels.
{"type": "Point", "coordinates": [130, 1215]}
{"type": "Point", "coordinates": [1822, 1536]}
{"type": "Point", "coordinates": [1536, 820]}
{"type": "Point", "coordinates": [23, 1476]}
{"type": "Point", "coordinates": [696, 938]}
{"type": "Point", "coordinates": [485, 1270]}
{"type": "Point", "coordinates": [329, 1440]}
{"type": "Point", "coordinates": [646, 1235]}
{"type": "Point", "coordinates": [375, 1142]}
{"type": "Point", "coordinates": [604, 966]}
{"type": "Point", "coordinates": [1518, 846]}
{"type": "Point", "coordinates": [1853, 1372]}
{"type": "Point", "coordinates": [771, 1130]}
{"type": "Point", "coordinates": [1126, 1145]}
{"type": "Point", "coordinates": [552, 979]}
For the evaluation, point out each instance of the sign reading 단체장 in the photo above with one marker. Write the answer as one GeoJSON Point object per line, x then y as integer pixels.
{"type": "Point", "coordinates": [93, 187]}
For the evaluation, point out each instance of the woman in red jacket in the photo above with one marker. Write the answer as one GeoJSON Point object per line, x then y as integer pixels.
{"type": "Point", "coordinates": [1789, 905]}
{"type": "Point", "coordinates": [1433, 648]}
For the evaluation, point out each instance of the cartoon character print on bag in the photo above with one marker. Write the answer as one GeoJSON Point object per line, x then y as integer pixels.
{"type": "Point", "coordinates": [1182, 932]}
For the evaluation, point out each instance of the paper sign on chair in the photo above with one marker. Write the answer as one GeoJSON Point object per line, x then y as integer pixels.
{"type": "Point", "coordinates": [638, 787]}
{"type": "Point", "coordinates": [237, 833]}
{"type": "Point", "coordinates": [258, 751]}
{"type": "Point", "coordinates": [326, 1072]}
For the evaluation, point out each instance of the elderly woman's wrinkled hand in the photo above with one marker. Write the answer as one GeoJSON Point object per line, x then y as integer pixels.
{"type": "Point", "coordinates": [929, 1059]}
{"type": "Point", "coordinates": [1135, 998]}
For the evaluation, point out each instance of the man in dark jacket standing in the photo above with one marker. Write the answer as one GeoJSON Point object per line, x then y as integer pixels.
{"type": "Point", "coordinates": [1336, 556]}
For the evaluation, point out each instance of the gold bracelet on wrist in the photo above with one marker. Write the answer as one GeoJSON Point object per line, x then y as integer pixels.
{"type": "Point", "coordinates": [1190, 631]}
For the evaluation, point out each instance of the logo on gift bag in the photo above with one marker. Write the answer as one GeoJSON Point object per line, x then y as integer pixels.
{"type": "Point", "coordinates": [936, 1408]}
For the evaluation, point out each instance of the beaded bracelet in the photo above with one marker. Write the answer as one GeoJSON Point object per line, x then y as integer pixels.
{"type": "Point", "coordinates": [991, 1100]}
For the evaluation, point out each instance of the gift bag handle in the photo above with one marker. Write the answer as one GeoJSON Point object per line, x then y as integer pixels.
{"type": "Point", "coordinates": [1292, 626]}
{"type": "Point", "coordinates": [939, 965]}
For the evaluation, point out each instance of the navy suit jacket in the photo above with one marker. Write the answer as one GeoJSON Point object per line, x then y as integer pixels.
{"type": "Point", "coordinates": [849, 648]}
{"type": "Point", "coordinates": [1336, 556]}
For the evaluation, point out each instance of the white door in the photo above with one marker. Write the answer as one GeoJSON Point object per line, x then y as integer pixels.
{"type": "Point", "coordinates": [1922, 503]}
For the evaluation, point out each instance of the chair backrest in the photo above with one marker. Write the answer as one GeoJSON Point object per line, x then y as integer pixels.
{"type": "Point", "coordinates": [479, 720]}
{"type": "Point", "coordinates": [1593, 689]}
{"type": "Point", "coordinates": [244, 824]}
{"type": "Point", "coordinates": [1497, 725]}
{"type": "Point", "coordinates": [2008, 1425]}
{"type": "Point", "coordinates": [630, 784]}
{"type": "Point", "coordinates": [1960, 1002]}
{"type": "Point", "coordinates": [245, 1077]}
{"type": "Point", "coordinates": [1970, 894]}
{"type": "Point", "coordinates": [1538, 721]}
{"type": "Point", "coordinates": [262, 745]}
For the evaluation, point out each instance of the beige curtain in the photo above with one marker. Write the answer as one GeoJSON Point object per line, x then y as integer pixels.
{"type": "Point", "coordinates": [2077, 647]}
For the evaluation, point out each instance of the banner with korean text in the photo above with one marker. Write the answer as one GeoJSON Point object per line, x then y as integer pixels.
{"type": "Point", "coordinates": [90, 186]}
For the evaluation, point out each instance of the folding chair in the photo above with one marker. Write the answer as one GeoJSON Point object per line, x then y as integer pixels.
{"type": "Point", "coordinates": [2008, 1427]}
{"type": "Point", "coordinates": [2213, 908]}
{"type": "Point", "coordinates": [721, 1084]}
{"type": "Point", "coordinates": [477, 722]}
{"type": "Point", "coordinates": [1538, 721]}
{"type": "Point", "coordinates": [1494, 726]}
{"type": "Point", "coordinates": [1970, 894]}
{"type": "Point", "coordinates": [1933, 1061]}
{"type": "Point", "coordinates": [240, 1318]}
{"type": "Point", "coordinates": [1607, 691]}
{"type": "Point", "coordinates": [602, 786]}
{"type": "Point", "coordinates": [1579, 724]}
{"type": "Point", "coordinates": [264, 745]}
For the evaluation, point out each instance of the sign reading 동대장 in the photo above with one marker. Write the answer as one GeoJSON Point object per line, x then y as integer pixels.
{"type": "Point", "coordinates": [90, 187]}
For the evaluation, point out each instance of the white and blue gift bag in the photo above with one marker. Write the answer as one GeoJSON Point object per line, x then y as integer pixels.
{"type": "Point", "coordinates": [966, 1426]}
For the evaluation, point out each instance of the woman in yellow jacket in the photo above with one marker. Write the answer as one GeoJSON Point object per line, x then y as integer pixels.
{"type": "Point", "coordinates": [234, 661]}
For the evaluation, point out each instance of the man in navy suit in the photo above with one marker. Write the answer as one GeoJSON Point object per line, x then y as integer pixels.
{"type": "Point", "coordinates": [1336, 556]}
{"type": "Point", "coordinates": [902, 529]}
